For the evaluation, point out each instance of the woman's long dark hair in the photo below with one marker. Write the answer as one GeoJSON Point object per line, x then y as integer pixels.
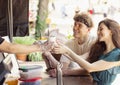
{"type": "Point", "coordinates": [99, 47]}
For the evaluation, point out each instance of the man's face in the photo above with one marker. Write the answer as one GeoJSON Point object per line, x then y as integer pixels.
{"type": "Point", "coordinates": [80, 31]}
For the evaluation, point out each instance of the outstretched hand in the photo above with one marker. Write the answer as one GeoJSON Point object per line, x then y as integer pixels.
{"type": "Point", "coordinates": [46, 46]}
{"type": "Point", "coordinates": [52, 45]}
{"type": "Point", "coordinates": [60, 49]}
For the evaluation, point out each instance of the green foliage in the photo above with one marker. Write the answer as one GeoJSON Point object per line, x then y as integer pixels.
{"type": "Point", "coordinates": [36, 56]}
{"type": "Point", "coordinates": [70, 36]}
{"type": "Point", "coordinates": [27, 40]}
{"type": "Point", "coordinates": [40, 26]}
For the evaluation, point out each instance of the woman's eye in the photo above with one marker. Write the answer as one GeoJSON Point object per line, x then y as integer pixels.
{"type": "Point", "coordinates": [99, 29]}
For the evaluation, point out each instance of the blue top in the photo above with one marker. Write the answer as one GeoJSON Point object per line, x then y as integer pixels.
{"type": "Point", "coordinates": [106, 77]}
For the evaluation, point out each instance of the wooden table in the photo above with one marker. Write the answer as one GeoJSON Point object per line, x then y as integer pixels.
{"type": "Point", "coordinates": [70, 80]}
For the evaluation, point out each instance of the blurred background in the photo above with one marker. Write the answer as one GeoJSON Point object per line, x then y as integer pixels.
{"type": "Point", "coordinates": [59, 13]}
{"type": "Point", "coordinates": [35, 17]}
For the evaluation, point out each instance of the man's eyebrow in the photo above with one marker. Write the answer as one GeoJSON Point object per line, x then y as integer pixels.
{"type": "Point", "coordinates": [78, 22]}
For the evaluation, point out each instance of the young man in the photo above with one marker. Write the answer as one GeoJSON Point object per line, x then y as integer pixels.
{"type": "Point", "coordinates": [81, 45]}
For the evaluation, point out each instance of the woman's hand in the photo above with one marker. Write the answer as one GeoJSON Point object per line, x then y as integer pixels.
{"type": "Point", "coordinates": [60, 49]}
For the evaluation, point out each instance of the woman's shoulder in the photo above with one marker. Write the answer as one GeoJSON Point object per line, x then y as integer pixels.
{"type": "Point", "coordinates": [114, 55]}
{"type": "Point", "coordinates": [116, 50]}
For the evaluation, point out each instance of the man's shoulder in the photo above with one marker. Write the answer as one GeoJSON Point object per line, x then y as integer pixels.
{"type": "Point", "coordinates": [70, 41]}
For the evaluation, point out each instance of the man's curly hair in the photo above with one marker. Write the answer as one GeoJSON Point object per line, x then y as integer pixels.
{"type": "Point", "coordinates": [84, 18]}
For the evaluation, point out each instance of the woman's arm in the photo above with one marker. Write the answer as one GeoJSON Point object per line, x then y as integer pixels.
{"type": "Point", "coordinates": [90, 67]}
{"type": "Point", "coordinates": [75, 72]}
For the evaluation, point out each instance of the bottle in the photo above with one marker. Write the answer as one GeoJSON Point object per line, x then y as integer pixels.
{"type": "Point", "coordinates": [52, 39]}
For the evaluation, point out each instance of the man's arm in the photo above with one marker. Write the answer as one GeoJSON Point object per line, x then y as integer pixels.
{"type": "Point", "coordinates": [19, 48]}
{"type": "Point", "coordinates": [84, 56]}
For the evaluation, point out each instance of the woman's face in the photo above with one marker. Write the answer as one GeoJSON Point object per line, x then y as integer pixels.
{"type": "Point", "coordinates": [104, 34]}
{"type": "Point", "coordinates": [80, 31]}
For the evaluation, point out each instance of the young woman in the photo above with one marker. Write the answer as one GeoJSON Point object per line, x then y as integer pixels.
{"type": "Point", "coordinates": [104, 60]}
